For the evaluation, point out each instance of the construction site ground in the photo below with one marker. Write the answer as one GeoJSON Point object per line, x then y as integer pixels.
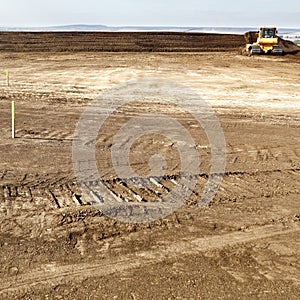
{"type": "Point", "coordinates": [54, 244]}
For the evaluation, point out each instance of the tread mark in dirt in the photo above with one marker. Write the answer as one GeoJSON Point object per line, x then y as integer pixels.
{"type": "Point", "coordinates": [53, 274]}
{"type": "Point", "coordinates": [53, 198]}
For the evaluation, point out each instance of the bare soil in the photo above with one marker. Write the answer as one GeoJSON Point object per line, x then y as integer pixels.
{"type": "Point", "coordinates": [54, 244]}
{"type": "Point", "coordinates": [118, 42]}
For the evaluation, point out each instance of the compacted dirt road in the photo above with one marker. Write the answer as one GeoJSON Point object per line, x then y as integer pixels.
{"type": "Point", "coordinates": [56, 244]}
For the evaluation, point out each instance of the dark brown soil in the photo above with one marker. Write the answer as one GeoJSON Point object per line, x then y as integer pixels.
{"type": "Point", "coordinates": [118, 42]}
{"type": "Point", "coordinates": [251, 37]}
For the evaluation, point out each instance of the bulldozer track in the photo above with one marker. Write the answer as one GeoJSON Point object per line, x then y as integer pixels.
{"type": "Point", "coordinates": [60, 193]}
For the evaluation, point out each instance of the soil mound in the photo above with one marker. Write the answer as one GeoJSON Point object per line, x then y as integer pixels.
{"type": "Point", "coordinates": [251, 37]}
{"type": "Point", "coordinates": [288, 46]}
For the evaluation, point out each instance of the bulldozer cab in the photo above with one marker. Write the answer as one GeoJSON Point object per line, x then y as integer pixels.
{"type": "Point", "coordinates": [268, 33]}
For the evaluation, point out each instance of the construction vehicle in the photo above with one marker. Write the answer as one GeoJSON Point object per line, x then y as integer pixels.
{"type": "Point", "coordinates": [267, 42]}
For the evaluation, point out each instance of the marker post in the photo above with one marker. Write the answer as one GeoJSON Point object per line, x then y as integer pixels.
{"type": "Point", "coordinates": [7, 77]}
{"type": "Point", "coordinates": [13, 119]}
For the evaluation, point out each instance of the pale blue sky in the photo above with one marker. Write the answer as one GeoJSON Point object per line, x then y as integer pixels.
{"type": "Point", "coordinates": [283, 13]}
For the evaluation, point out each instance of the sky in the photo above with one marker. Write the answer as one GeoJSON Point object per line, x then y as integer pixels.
{"type": "Point", "coordinates": [198, 13]}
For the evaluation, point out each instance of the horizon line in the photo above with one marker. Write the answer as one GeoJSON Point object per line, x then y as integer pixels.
{"type": "Point", "coordinates": [139, 26]}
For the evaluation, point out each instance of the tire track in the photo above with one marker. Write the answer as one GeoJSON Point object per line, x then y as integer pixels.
{"type": "Point", "coordinates": [53, 274]}
{"type": "Point", "coordinates": [246, 153]}
{"type": "Point", "coordinates": [60, 193]}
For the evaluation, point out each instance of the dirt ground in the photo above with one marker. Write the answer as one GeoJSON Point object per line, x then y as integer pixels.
{"type": "Point", "coordinates": [54, 244]}
{"type": "Point", "coordinates": [118, 42]}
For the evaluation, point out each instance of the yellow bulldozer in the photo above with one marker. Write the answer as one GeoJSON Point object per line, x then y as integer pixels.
{"type": "Point", "coordinates": [267, 42]}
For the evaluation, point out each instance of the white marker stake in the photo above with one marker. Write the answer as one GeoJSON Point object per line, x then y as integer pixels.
{"type": "Point", "coordinates": [7, 77]}
{"type": "Point", "coordinates": [13, 118]}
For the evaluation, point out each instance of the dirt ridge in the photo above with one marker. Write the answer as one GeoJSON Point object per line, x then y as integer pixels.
{"type": "Point", "coordinates": [118, 42]}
